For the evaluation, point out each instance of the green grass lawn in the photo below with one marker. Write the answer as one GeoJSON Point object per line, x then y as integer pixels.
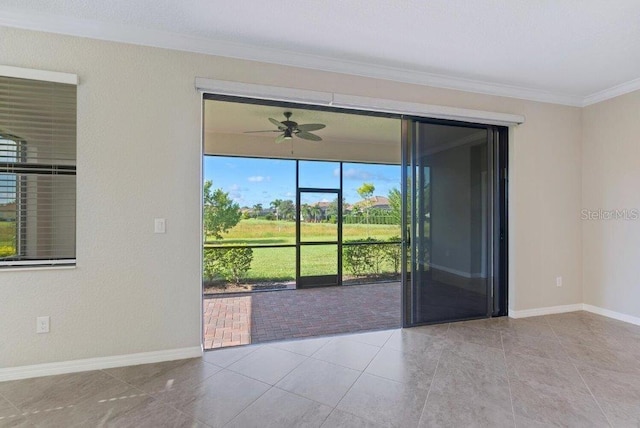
{"type": "Point", "coordinates": [7, 238]}
{"type": "Point", "coordinates": [279, 264]}
{"type": "Point", "coordinates": [266, 232]}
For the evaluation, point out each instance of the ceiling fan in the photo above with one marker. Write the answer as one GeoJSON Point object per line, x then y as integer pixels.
{"type": "Point", "coordinates": [290, 128]}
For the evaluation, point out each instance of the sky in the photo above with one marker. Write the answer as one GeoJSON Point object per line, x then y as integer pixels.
{"type": "Point", "coordinates": [250, 181]}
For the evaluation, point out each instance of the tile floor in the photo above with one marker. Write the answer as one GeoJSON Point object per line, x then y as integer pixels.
{"type": "Point", "coordinates": [575, 369]}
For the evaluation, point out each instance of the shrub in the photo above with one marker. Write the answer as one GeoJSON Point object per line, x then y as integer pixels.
{"type": "Point", "coordinates": [7, 250]}
{"type": "Point", "coordinates": [210, 262]}
{"type": "Point", "coordinates": [378, 257]}
{"type": "Point", "coordinates": [393, 254]}
{"type": "Point", "coordinates": [358, 259]}
{"type": "Point", "coordinates": [230, 263]}
{"type": "Point", "coordinates": [373, 258]}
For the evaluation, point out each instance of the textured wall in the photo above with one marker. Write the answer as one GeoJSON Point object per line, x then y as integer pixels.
{"type": "Point", "coordinates": [611, 181]}
{"type": "Point", "coordinates": [139, 158]}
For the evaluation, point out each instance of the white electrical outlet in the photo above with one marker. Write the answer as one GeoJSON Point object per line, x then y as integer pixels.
{"type": "Point", "coordinates": [159, 225]}
{"type": "Point", "coordinates": [42, 325]}
{"type": "Point", "coordinates": [558, 281]}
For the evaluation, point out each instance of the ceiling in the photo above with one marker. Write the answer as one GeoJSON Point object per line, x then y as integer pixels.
{"type": "Point", "coordinates": [237, 118]}
{"type": "Point", "coordinates": [573, 52]}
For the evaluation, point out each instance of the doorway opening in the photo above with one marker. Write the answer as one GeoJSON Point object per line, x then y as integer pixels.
{"type": "Point", "coordinates": [301, 238]}
{"type": "Point", "coordinates": [357, 227]}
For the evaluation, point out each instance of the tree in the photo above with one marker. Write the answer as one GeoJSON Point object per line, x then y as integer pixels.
{"type": "Point", "coordinates": [316, 212]}
{"type": "Point", "coordinates": [366, 193]}
{"type": "Point", "coordinates": [220, 212]}
{"type": "Point", "coordinates": [257, 210]}
{"type": "Point", "coordinates": [395, 203]}
{"type": "Point", "coordinates": [332, 209]}
{"type": "Point", "coordinates": [366, 190]}
{"type": "Point", "coordinates": [275, 206]}
{"type": "Point", "coordinates": [287, 209]}
{"type": "Point", "coordinates": [306, 212]}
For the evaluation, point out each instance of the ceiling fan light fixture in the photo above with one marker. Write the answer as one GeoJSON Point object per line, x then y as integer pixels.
{"type": "Point", "coordinates": [290, 129]}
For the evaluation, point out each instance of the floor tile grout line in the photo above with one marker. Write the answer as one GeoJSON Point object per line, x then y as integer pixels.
{"type": "Point", "coordinates": [592, 395]}
{"type": "Point", "coordinates": [433, 378]}
{"type": "Point", "coordinates": [356, 381]}
{"type": "Point", "coordinates": [256, 346]}
{"type": "Point", "coordinates": [306, 398]}
{"type": "Point", "coordinates": [267, 383]}
{"type": "Point", "coordinates": [260, 396]}
{"type": "Point", "coordinates": [154, 394]}
{"type": "Point", "coordinates": [12, 404]}
{"type": "Point", "coordinates": [249, 404]}
{"type": "Point", "coordinates": [504, 354]}
{"type": "Point", "coordinates": [343, 366]}
{"type": "Point", "coordinates": [584, 381]}
{"type": "Point", "coordinates": [182, 412]}
{"type": "Point", "coordinates": [140, 390]}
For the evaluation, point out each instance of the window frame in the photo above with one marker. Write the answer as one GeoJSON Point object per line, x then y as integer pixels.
{"type": "Point", "coordinates": [20, 167]}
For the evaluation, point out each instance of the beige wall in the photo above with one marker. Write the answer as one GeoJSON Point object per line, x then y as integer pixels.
{"type": "Point", "coordinates": [450, 213]}
{"type": "Point", "coordinates": [611, 181]}
{"type": "Point", "coordinates": [139, 158]}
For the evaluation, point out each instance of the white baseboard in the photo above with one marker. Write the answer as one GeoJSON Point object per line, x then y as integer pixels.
{"type": "Point", "coordinates": [73, 366]}
{"type": "Point", "coordinates": [545, 311]}
{"type": "Point", "coordinates": [572, 308]}
{"type": "Point", "coordinates": [612, 314]}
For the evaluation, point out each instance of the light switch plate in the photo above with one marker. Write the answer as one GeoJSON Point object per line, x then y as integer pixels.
{"type": "Point", "coordinates": [42, 325]}
{"type": "Point", "coordinates": [159, 225]}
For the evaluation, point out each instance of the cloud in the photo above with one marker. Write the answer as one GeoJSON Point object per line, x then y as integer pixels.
{"type": "Point", "coordinates": [361, 175]}
{"type": "Point", "coordinates": [258, 178]}
{"type": "Point", "coordinates": [235, 192]}
{"type": "Point", "coordinates": [356, 174]}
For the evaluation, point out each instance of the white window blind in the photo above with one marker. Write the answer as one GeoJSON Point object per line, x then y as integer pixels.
{"type": "Point", "coordinates": [37, 172]}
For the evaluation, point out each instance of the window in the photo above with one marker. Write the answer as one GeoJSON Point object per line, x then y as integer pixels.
{"type": "Point", "coordinates": [37, 172]}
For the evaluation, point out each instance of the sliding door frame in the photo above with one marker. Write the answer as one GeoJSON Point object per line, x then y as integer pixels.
{"type": "Point", "coordinates": [500, 221]}
{"type": "Point", "coordinates": [497, 225]}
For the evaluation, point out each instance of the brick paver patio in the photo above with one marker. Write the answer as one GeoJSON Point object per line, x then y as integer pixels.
{"type": "Point", "coordinates": [277, 315]}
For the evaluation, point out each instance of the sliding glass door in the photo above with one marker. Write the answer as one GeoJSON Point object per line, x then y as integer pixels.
{"type": "Point", "coordinates": [453, 220]}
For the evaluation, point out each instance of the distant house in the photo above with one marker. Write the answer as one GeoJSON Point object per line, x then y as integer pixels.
{"type": "Point", "coordinates": [8, 211]}
{"type": "Point", "coordinates": [324, 206]}
{"type": "Point", "coordinates": [379, 202]}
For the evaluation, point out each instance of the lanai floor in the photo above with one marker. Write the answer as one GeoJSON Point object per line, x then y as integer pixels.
{"type": "Point", "coordinates": [258, 317]}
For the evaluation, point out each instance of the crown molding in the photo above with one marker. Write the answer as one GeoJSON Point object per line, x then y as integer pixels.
{"type": "Point", "coordinates": [614, 91]}
{"type": "Point", "coordinates": [167, 40]}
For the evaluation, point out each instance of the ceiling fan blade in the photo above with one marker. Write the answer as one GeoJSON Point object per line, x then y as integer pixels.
{"type": "Point", "coordinates": [311, 127]}
{"type": "Point", "coordinates": [281, 126]}
{"type": "Point", "coordinates": [307, 136]}
{"type": "Point", "coordinates": [280, 139]}
{"type": "Point", "coordinates": [269, 130]}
